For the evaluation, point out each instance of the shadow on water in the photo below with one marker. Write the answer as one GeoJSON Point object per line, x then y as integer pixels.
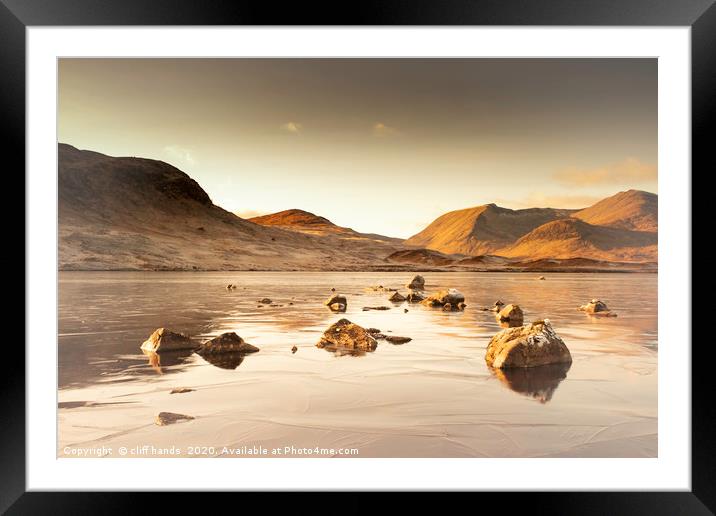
{"type": "Point", "coordinates": [538, 383]}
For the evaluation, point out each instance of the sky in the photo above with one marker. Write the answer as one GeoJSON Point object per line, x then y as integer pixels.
{"type": "Point", "coordinates": [380, 145]}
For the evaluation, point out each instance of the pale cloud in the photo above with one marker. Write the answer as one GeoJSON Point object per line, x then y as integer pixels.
{"type": "Point", "coordinates": [292, 127]}
{"type": "Point", "coordinates": [628, 171]}
{"type": "Point", "coordinates": [381, 130]}
{"type": "Point", "coordinates": [181, 154]}
{"type": "Point", "coordinates": [247, 214]}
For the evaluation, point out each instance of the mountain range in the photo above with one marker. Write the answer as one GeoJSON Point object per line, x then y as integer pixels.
{"type": "Point", "coordinates": [129, 213]}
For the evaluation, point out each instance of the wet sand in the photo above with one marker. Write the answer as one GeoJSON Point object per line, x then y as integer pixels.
{"type": "Point", "coordinates": [431, 397]}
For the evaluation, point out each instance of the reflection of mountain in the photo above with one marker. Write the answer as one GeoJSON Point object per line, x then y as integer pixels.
{"type": "Point", "coordinates": [534, 382]}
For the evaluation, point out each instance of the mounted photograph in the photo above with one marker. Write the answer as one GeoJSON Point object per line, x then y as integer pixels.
{"type": "Point", "coordinates": [357, 257]}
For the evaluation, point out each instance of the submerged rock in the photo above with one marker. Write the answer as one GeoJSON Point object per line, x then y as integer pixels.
{"type": "Point", "coordinates": [397, 298]}
{"type": "Point", "coordinates": [415, 297]}
{"type": "Point", "coordinates": [180, 390]}
{"type": "Point", "coordinates": [265, 301]}
{"type": "Point", "coordinates": [417, 283]}
{"type": "Point", "coordinates": [346, 335]}
{"type": "Point", "coordinates": [530, 345]}
{"type": "Point", "coordinates": [366, 308]}
{"type": "Point", "coordinates": [394, 339]}
{"type": "Point", "coordinates": [226, 343]}
{"type": "Point", "coordinates": [164, 340]}
{"type": "Point", "coordinates": [168, 418]}
{"type": "Point", "coordinates": [511, 314]}
{"type": "Point", "coordinates": [451, 296]}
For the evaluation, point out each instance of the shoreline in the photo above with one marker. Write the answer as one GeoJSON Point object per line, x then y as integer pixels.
{"type": "Point", "coordinates": [542, 270]}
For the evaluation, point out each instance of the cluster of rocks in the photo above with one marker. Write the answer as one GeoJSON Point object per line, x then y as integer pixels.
{"type": "Point", "coordinates": [163, 340]}
{"type": "Point", "coordinates": [393, 339]}
{"type": "Point", "coordinates": [450, 300]}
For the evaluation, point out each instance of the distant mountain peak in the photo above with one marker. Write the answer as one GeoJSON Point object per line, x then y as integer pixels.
{"type": "Point", "coordinates": [292, 217]}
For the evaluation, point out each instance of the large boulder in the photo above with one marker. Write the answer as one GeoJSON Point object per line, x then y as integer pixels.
{"type": "Point", "coordinates": [511, 314]}
{"type": "Point", "coordinates": [530, 345]}
{"type": "Point", "coordinates": [417, 283]}
{"type": "Point", "coordinates": [164, 340]}
{"type": "Point", "coordinates": [594, 306]}
{"type": "Point", "coordinates": [226, 343]}
{"type": "Point", "coordinates": [346, 335]}
{"type": "Point", "coordinates": [452, 296]}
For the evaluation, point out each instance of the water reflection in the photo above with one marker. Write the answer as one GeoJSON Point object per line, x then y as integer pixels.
{"type": "Point", "coordinates": [224, 360]}
{"type": "Point", "coordinates": [539, 383]}
{"type": "Point", "coordinates": [160, 362]}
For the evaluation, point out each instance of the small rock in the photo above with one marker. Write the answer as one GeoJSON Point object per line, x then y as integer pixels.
{"type": "Point", "coordinates": [417, 283]}
{"type": "Point", "coordinates": [366, 308]}
{"type": "Point", "coordinates": [226, 343]}
{"type": "Point", "coordinates": [594, 306]}
{"type": "Point", "coordinates": [394, 339]}
{"type": "Point", "coordinates": [294, 349]}
{"type": "Point", "coordinates": [373, 330]}
{"type": "Point", "coordinates": [181, 390]}
{"type": "Point", "coordinates": [511, 314]}
{"type": "Point", "coordinates": [265, 301]}
{"type": "Point", "coordinates": [165, 340]}
{"type": "Point", "coordinates": [541, 278]}
{"type": "Point", "coordinates": [405, 310]}
{"type": "Point", "coordinates": [229, 286]}
{"type": "Point", "coordinates": [497, 306]}
{"type": "Point", "coordinates": [461, 306]}
{"type": "Point", "coordinates": [447, 307]}
{"type": "Point", "coordinates": [168, 418]}
{"type": "Point", "coordinates": [415, 297]}
{"type": "Point", "coordinates": [338, 307]}
{"type": "Point", "coordinates": [397, 298]}
{"type": "Point", "coordinates": [333, 289]}
{"type": "Point", "coordinates": [336, 299]}
{"type": "Point", "coordinates": [530, 345]}
{"type": "Point", "coordinates": [344, 334]}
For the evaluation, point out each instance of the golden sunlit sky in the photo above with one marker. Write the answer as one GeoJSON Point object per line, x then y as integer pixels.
{"type": "Point", "coordinates": [379, 145]}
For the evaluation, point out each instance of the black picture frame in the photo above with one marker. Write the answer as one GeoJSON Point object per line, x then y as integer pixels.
{"type": "Point", "coordinates": [700, 15]}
